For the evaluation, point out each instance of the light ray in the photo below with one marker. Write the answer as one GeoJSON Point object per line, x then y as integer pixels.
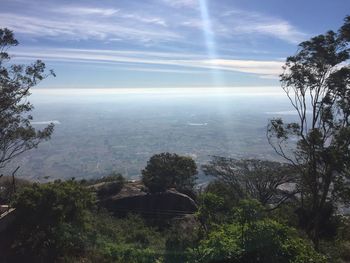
{"type": "Point", "coordinates": [209, 36]}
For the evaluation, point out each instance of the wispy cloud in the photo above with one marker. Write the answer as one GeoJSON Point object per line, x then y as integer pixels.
{"type": "Point", "coordinates": [163, 60]}
{"type": "Point", "coordinates": [147, 25]}
{"type": "Point", "coordinates": [278, 29]}
{"type": "Point", "coordinates": [247, 25]}
{"type": "Point", "coordinates": [247, 22]}
{"type": "Point", "coordinates": [247, 66]}
{"type": "Point", "coordinates": [162, 70]}
{"type": "Point", "coordinates": [78, 11]}
{"type": "Point", "coordinates": [181, 3]}
{"type": "Point", "coordinates": [145, 19]}
{"type": "Point", "coordinates": [86, 28]}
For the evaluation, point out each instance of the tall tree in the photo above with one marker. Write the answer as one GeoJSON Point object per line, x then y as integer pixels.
{"type": "Point", "coordinates": [17, 135]}
{"type": "Point", "coordinates": [317, 82]}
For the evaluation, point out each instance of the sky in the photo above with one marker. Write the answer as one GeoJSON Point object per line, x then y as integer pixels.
{"type": "Point", "coordinates": [165, 43]}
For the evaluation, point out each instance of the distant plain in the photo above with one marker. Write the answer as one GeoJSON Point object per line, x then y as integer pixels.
{"type": "Point", "coordinates": [117, 130]}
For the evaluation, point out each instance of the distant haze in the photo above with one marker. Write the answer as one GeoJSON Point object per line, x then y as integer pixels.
{"type": "Point", "coordinates": [100, 131]}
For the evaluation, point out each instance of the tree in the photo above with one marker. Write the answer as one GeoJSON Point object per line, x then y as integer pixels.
{"type": "Point", "coordinates": [166, 170]}
{"type": "Point", "coordinates": [251, 178]}
{"type": "Point", "coordinates": [17, 135]}
{"type": "Point", "coordinates": [316, 80]}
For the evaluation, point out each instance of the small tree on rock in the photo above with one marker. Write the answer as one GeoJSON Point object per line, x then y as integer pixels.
{"type": "Point", "coordinates": [166, 170]}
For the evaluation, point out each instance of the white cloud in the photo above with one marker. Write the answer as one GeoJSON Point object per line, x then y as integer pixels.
{"type": "Point", "coordinates": [86, 28]}
{"type": "Point", "coordinates": [76, 11]}
{"type": "Point", "coordinates": [162, 70]}
{"type": "Point", "coordinates": [245, 22]}
{"type": "Point", "coordinates": [246, 25]}
{"type": "Point", "coordinates": [267, 68]}
{"type": "Point", "coordinates": [193, 23]}
{"type": "Point", "coordinates": [181, 3]}
{"type": "Point", "coordinates": [148, 26]}
{"type": "Point", "coordinates": [278, 29]}
{"type": "Point", "coordinates": [145, 19]}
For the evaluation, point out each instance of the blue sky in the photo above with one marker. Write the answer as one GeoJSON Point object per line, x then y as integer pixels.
{"type": "Point", "coordinates": [165, 43]}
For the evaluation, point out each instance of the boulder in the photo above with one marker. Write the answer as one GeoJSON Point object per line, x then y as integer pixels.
{"type": "Point", "coordinates": [132, 199]}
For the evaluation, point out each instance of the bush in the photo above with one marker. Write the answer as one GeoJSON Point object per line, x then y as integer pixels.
{"type": "Point", "coordinates": [264, 241]}
{"type": "Point", "coordinates": [125, 240]}
{"type": "Point", "coordinates": [254, 238]}
{"type": "Point", "coordinates": [52, 220]}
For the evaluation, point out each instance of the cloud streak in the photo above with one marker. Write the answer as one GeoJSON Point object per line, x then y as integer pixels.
{"type": "Point", "coordinates": [82, 29]}
{"type": "Point", "coordinates": [83, 11]}
{"type": "Point", "coordinates": [265, 69]}
{"type": "Point", "coordinates": [181, 3]}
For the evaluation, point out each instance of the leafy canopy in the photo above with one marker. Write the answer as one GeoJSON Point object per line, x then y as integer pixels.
{"type": "Point", "coordinates": [166, 170]}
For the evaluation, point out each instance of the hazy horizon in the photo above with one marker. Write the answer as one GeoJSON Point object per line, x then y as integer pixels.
{"type": "Point", "coordinates": [101, 131]}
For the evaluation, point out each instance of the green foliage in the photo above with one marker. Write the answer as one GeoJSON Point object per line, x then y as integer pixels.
{"type": "Point", "coordinates": [52, 220]}
{"type": "Point", "coordinates": [17, 134]}
{"type": "Point", "coordinates": [254, 238]}
{"type": "Point", "coordinates": [109, 189]}
{"type": "Point", "coordinates": [178, 241]}
{"type": "Point", "coordinates": [113, 177]}
{"type": "Point", "coordinates": [129, 254]}
{"type": "Point", "coordinates": [57, 221]}
{"type": "Point", "coordinates": [286, 214]}
{"type": "Point", "coordinates": [125, 240]}
{"type": "Point", "coordinates": [165, 170]}
{"type": "Point", "coordinates": [249, 211]}
{"type": "Point", "coordinates": [211, 210]}
{"type": "Point", "coordinates": [106, 186]}
{"type": "Point", "coordinates": [222, 189]}
{"type": "Point", "coordinates": [337, 249]}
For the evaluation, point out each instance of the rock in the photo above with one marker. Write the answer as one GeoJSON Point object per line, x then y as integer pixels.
{"type": "Point", "coordinates": [132, 199]}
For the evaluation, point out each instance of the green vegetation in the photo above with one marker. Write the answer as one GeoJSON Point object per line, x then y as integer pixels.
{"type": "Point", "coordinates": [252, 237]}
{"type": "Point", "coordinates": [106, 186]}
{"type": "Point", "coordinates": [165, 171]}
{"type": "Point", "coordinates": [52, 219]}
{"type": "Point", "coordinates": [60, 222]}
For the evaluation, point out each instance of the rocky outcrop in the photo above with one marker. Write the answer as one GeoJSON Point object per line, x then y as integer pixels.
{"type": "Point", "coordinates": [132, 199]}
